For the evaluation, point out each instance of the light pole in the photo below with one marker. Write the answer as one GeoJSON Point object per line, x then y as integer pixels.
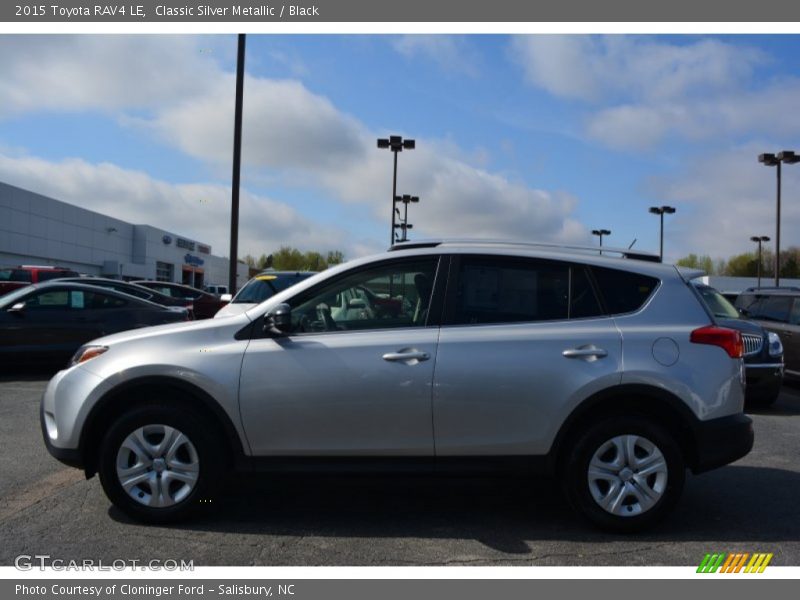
{"type": "Point", "coordinates": [237, 162]}
{"type": "Point", "coordinates": [759, 239]}
{"type": "Point", "coordinates": [775, 160]}
{"type": "Point", "coordinates": [600, 233]}
{"type": "Point", "coordinates": [404, 225]}
{"type": "Point", "coordinates": [396, 144]}
{"type": "Point", "coordinates": [661, 211]}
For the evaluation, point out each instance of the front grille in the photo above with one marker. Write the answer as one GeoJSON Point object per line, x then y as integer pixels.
{"type": "Point", "coordinates": [752, 343]}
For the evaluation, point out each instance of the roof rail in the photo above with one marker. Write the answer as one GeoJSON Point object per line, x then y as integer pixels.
{"type": "Point", "coordinates": [622, 252]}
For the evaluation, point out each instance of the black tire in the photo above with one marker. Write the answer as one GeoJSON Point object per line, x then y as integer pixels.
{"type": "Point", "coordinates": [209, 457]}
{"type": "Point", "coordinates": [762, 401]}
{"type": "Point", "coordinates": [579, 491]}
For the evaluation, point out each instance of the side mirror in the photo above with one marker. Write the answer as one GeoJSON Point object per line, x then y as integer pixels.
{"type": "Point", "coordinates": [18, 308]}
{"type": "Point", "coordinates": [226, 297]}
{"type": "Point", "coordinates": [279, 321]}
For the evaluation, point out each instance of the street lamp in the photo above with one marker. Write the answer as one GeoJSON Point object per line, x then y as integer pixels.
{"type": "Point", "coordinates": [404, 225]}
{"type": "Point", "coordinates": [759, 239]}
{"type": "Point", "coordinates": [601, 233]}
{"type": "Point", "coordinates": [396, 144]}
{"type": "Point", "coordinates": [775, 160]}
{"type": "Point", "coordinates": [661, 211]}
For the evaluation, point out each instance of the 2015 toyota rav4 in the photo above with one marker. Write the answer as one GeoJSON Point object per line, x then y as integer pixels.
{"type": "Point", "coordinates": [608, 373]}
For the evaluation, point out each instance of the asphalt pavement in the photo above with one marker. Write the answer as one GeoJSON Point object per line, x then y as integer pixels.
{"type": "Point", "coordinates": [47, 508]}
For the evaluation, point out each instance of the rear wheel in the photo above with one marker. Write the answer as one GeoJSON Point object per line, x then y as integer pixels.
{"type": "Point", "coordinates": [624, 474]}
{"type": "Point", "coordinates": [159, 464]}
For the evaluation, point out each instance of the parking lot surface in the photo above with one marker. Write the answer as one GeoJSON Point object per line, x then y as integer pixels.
{"type": "Point", "coordinates": [47, 508]}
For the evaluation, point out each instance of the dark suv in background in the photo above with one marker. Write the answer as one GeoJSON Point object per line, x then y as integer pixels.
{"type": "Point", "coordinates": [778, 310]}
{"type": "Point", "coordinates": [763, 350]}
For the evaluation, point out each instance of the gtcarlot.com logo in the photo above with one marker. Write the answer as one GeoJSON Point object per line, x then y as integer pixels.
{"type": "Point", "coordinates": [742, 562]}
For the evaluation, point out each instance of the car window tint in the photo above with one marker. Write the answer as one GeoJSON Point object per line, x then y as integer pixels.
{"type": "Point", "coordinates": [623, 291]}
{"type": "Point", "coordinates": [389, 296]}
{"type": "Point", "coordinates": [21, 275]}
{"type": "Point", "coordinates": [794, 316]}
{"type": "Point", "coordinates": [503, 290]}
{"type": "Point", "coordinates": [96, 301]}
{"type": "Point", "coordinates": [55, 299]}
{"type": "Point", "coordinates": [773, 308]}
{"type": "Point", "coordinates": [583, 301]}
{"type": "Point", "coordinates": [46, 275]}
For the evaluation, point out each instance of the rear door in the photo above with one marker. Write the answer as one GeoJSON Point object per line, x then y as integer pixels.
{"type": "Point", "coordinates": [523, 340]}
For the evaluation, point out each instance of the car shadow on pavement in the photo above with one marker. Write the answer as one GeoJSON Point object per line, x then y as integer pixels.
{"type": "Point", "coordinates": [736, 503]}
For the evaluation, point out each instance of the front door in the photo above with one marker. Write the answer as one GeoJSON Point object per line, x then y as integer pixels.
{"type": "Point", "coordinates": [354, 376]}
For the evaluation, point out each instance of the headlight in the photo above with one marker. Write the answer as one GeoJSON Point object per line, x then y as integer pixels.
{"type": "Point", "coordinates": [774, 343]}
{"type": "Point", "coordinates": [85, 353]}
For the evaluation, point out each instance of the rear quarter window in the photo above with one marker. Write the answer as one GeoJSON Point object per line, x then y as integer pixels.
{"type": "Point", "coordinates": [623, 291]}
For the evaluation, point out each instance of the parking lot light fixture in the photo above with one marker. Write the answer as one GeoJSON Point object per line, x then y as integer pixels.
{"type": "Point", "coordinates": [661, 211]}
{"type": "Point", "coordinates": [759, 239]}
{"type": "Point", "coordinates": [776, 160]}
{"type": "Point", "coordinates": [406, 199]}
{"type": "Point", "coordinates": [600, 233]}
{"type": "Point", "coordinates": [395, 144]}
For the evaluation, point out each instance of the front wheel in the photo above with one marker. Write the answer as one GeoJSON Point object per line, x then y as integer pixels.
{"type": "Point", "coordinates": [624, 474]}
{"type": "Point", "coordinates": [158, 463]}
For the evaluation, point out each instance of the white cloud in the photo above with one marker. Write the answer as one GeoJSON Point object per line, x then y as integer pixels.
{"type": "Point", "coordinates": [451, 53]}
{"type": "Point", "coordinates": [176, 89]}
{"type": "Point", "coordinates": [195, 210]}
{"type": "Point", "coordinates": [69, 73]}
{"type": "Point", "coordinates": [725, 199]}
{"type": "Point", "coordinates": [640, 91]}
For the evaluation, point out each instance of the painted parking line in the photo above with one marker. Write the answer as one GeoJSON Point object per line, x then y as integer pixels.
{"type": "Point", "coordinates": [41, 489]}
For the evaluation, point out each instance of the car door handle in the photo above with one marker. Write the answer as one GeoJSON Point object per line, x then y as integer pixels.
{"type": "Point", "coordinates": [406, 356]}
{"type": "Point", "coordinates": [584, 353]}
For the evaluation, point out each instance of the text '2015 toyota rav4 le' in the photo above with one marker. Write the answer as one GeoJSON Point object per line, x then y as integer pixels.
{"type": "Point", "coordinates": [607, 373]}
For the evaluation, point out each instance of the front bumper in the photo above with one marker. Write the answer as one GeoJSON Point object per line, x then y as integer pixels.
{"type": "Point", "coordinates": [763, 381]}
{"type": "Point", "coordinates": [722, 441]}
{"type": "Point", "coordinates": [69, 456]}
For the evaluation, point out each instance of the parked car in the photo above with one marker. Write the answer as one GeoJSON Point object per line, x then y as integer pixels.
{"type": "Point", "coordinates": [216, 289]}
{"type": "Point", "coordinates": [264, 285]}
{"type": "Point", "coordinates": [204, 305]}
{"type": "Point", "coordinates": [763, 350]}
{"type": "Point", "coordinates": [777, 310]}
{"type": "Point", "coordinates": [24, 275]}
{"type": "Point", "coordinates": [48, 322]}
{"type": "Point", "coordinates": [138, 291]}
{"type": "Point", "coordinates": [608, 374]}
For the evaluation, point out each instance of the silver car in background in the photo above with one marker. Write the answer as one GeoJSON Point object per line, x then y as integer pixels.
{"type": "Point", "coordinates": [606, 373]}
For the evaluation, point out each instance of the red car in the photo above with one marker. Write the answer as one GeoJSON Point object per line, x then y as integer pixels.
{"type": "Point", "coordinates": [204, 305]}
{"type": "Point", "coordinates": [24, 275]}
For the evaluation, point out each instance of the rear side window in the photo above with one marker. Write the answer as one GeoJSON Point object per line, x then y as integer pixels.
{"type": "Point", "coordinates": [494, 290]}
{"type": "Point", "coordinates": [623, 291]}
{"type": "Point", "coordinates": [772, 308]}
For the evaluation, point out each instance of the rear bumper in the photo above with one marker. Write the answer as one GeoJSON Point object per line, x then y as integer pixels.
{"type": "Point", "coordinates": [722, 441]}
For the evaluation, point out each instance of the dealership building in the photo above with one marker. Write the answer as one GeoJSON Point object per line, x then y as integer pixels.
{"type": "Point", "coordinates": [38, 230]}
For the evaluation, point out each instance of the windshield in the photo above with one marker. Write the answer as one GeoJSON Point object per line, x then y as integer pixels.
{"type": "Point", "coordinates": [8, 300]}
{"type": "Point", "coordinates": [262, 287]}
{"type": "Point", "coordinates": [717, 303]}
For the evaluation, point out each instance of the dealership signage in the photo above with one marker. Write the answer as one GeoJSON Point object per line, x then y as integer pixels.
{"type": "Point", "coordinates": [195, 261]}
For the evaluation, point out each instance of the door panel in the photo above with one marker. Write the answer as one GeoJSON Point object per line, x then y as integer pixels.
{"type": "Point", "coordinates": [505, 389]}
{"type": "Point", "coordinates": [334, 394]}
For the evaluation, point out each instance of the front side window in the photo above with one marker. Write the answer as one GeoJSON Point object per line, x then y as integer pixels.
{"type": "Point", "coordinates": [388, 296]}
{"type": "Point", "coordinates": [772, 308]}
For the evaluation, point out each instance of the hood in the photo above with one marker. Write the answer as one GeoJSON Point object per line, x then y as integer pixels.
{"type": "Point", "coordinates": [232, 309]}
{"type": "Point", "coordinates": [180, 328]}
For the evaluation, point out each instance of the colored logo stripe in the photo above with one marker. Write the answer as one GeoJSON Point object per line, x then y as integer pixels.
{"type": "Point", "coordinates": [733, 563]}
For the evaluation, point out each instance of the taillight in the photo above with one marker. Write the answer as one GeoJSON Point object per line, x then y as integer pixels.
{"type": "Point", "coordinates": [729, 340]}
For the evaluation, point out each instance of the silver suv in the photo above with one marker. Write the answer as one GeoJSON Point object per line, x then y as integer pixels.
{"type": "Point", "coordinates": [605, 372]}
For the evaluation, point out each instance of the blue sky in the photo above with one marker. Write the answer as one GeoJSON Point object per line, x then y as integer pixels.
{"type": "Point", "coordinates": [526, 137]}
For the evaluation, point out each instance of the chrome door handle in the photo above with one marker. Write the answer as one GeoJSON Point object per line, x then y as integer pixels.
{"type": "Point", "coordinates": [584, 353]}
{"type": "Point", "coordinates": [403, 356]}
